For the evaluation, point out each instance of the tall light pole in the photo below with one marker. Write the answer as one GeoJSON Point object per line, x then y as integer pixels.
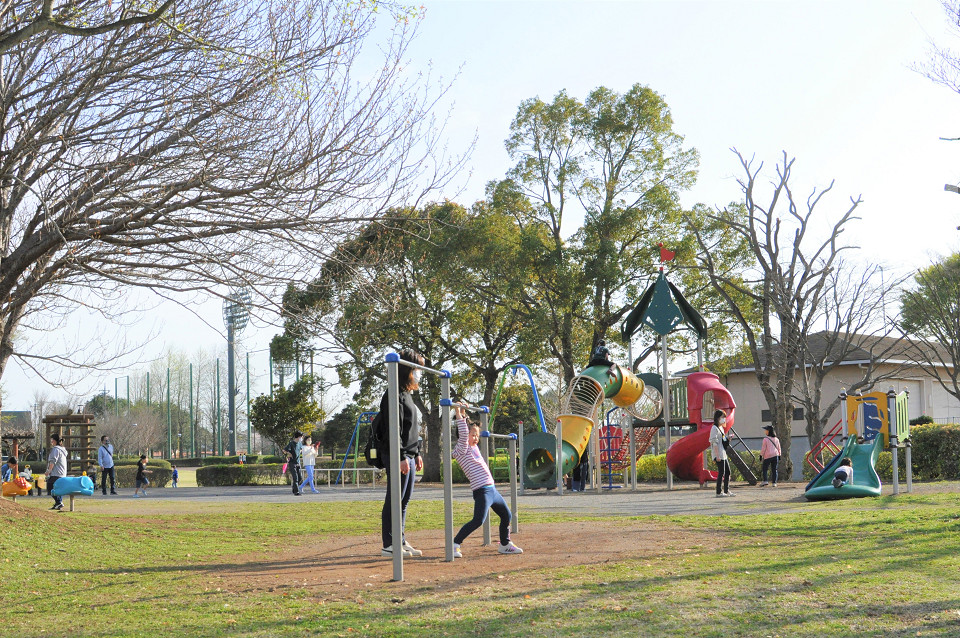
{"type": "Point", "coordinates": [235, 314]}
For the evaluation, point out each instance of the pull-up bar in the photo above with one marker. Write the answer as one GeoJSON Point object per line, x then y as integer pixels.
{"type": "Point", "coordinates": [393, 402]}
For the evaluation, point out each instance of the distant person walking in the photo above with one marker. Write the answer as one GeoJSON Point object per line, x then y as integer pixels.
{"type": "Point", "coordinates": [142, 480]}
{"type": "Point", "coordinates": [292, 454]}
{"type": "Point", "coordinates": [718, 442]}
{"type": "Point", "coordinates": [770, 452]}
{"type": "Point", "coordinates": [409, 453]}
{"type": "Point", "coordinates": [175, 478]}
{"type": "Point", "coordinates": [105, 461]}
{"type": "Point", "coordinates": [56, 468]}
{"type": "Point", "coordinates": [309, 456]}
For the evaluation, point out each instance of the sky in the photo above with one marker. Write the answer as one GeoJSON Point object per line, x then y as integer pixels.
{"type": "Point", "coordinates": [833, 84]}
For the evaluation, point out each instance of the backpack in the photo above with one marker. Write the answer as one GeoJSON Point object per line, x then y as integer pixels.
{"type": "Point", "coordinates": [375, 451]}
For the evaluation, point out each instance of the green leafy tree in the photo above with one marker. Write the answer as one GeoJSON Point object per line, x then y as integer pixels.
{"type": "Point", "coordinates": [930, 312]}
{"type": "Point", "coordinates": [616, 160]}
{"type": "Point", "coordinates": [276, 418]}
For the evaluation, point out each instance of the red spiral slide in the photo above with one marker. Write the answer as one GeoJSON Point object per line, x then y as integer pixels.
{"type": "Point", "coordinates": [705, 394]}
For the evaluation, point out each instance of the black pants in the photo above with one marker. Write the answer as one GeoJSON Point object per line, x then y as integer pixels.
{"type": "Point", "coordinates": [723, 475]}
{"type": "Point", "coordinates": [295, 477]}
{"type": "Point", "coordinates": [112, 473]}
{"type": "Point", "coordinates": [772, 463]}
{"type": "Point", "coordinates": [406, 491]}
{"type": "Point", "coordinates": [50, 481]}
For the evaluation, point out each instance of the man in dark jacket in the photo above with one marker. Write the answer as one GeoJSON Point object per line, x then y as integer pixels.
{"type": "Point", "coordinates": [292, 452]}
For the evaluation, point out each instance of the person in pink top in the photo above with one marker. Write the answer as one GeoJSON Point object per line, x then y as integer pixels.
{"type": "Point", "coordinates": [485, 495]}
{"type": "Point", "coordinates": [770, 452]}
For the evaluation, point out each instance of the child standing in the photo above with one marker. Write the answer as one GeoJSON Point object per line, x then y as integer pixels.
{"type": "Point", "coordinates": [309, 456]}
{"type": "Point", "coordinates": [142, 480]}
{"type": "Point", "coordinates": [176, 476]}
{"type": "Point", "coordinates": [770, 452]}
{"type": "Point", "coordinates": [485, 495]}
{"type": "Point", "coordinates": [843, 474]}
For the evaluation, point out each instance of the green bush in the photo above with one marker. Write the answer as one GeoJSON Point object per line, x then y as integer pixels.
{"type": "Point", "coordinates": [936, 451]}
{"type": "Point", "coordinates": [151, 463]}
{"type": "Point", "coordinates": [127, 475]}
{"type": "Point", "coordinates": [921, 420]}
{"type": "Point", "coordinates": [236, 474]}
{"type": "Point", "coordinates": [652, 468]}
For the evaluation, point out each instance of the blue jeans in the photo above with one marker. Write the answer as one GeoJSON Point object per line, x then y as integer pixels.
{"type": "Point", "coordinates": [485, 499]}
{"type": "Point", "coordinates": [406, 491]}
{"type": "Point", "coordinates": [308, 480]}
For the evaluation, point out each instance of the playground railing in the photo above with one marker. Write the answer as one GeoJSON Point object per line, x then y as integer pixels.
{"type": "Point", "coordinates": [814, 458]}
{"type": "Point", "coordinates": [344, 480]}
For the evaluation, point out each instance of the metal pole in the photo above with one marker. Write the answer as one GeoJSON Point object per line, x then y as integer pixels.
{"type": "Point", "coordinates": [892, 430]}
{"type": "Point", "coordinates": [193, 452]}
{"type": "Point", "coordinates": [909, 462]}
{"type": "Point", "coordinates": [169, 442]}
{"type": "Point", "coordinates": [514, 522]}
{"type": "Point", "coordinates": [116, 395]}
{"type": "Point", "coordinates": [393, 476]}
{"type": "Point", "coordinates": [128, 395]}
{"type": "Point", "coordinates": [148, 388]}
{"type": "Point", "coordinates": [596, 474]}
{"type": "Point", "coordinates": [231, 394]}
{"type": "Point", "coordinates": [270, 363]}
{"type": "Point", "coordinates": [485, 453]}
{"type": "Point", "coordinates": [666, 403]}
{"type": "Point", "coordinates": [519, 461]}
{"type": "Point", "coordinates": [248, 403]}
{"type": "Point", "coordinates": [633, 437]}
{"type": "Point", "coordinates": [559, 457]}
{"type": "Point", "coordinates": [218, 444]}
{"type": "Point", "coordinates": [447, 466]}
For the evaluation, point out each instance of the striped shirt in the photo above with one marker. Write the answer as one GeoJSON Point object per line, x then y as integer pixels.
{"type": "Point", "coordinates": [470, 460]}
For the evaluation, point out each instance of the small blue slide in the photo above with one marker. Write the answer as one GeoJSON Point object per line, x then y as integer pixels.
{"type": "Point", "coordinates": [866, 481]}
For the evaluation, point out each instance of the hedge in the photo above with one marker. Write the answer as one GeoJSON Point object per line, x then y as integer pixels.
{"type": "Point", "coordinates": [127, 476]}
{"type": "Point", "coordinates": [151, 463]}
{"type": "Point", "coordinates": [236, 474]}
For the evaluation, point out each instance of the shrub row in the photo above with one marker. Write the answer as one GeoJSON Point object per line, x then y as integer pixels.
{"type": "Point", "coordinates": [127, 476]}
{"type": "Point", "coordinates": [151, 463]}
{"type": "Point", "coordinates": [236, 474]}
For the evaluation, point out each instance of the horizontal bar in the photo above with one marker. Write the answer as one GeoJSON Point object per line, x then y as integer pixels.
{"type": "Point", "coordinates": [393, 357]}
{"type": "Point", "coordinates": [491, 435]}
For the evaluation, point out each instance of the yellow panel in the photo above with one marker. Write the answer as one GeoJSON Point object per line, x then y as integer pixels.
{"type": "Point", "coordinates": [630, 391]}
{"type": "Point", "coordinates": [576, 431]}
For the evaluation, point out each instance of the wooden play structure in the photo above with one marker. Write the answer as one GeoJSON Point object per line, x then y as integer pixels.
{"type": "Point", "coordinates": [79, 440]}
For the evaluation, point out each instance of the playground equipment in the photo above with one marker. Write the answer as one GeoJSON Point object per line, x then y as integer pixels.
{"type": "Point", "coordinates": [17, 487]}
{"type": "Point", "coordinates": [873, 421]}
{"type": "Point", "coordinates": [73, 486]}
{"type": "Point", "coordinates": [365, 418]}
{"type": "Point", "coordinates": [548, 457]}
{"type": "Point", "coordinates": [664, 309]}
{"type": "Point", "coordinates": [78, 439]}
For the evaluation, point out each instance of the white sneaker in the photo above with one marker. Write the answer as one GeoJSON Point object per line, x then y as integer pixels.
{"type": "Point", "coordinates": [721, 495]}
{"type": "Point", "coordinates": [407, 547]}
{"type": "Point", "coordinates": [764, 484]}
{"type": "Point", "coordinates": [728, 494]}
{"type": "Point", "coordinates": [388, 552]}
{"type": "Point", "coordinates": [456, 551]}
{"type": "Point", "coordinates": [509, 548]}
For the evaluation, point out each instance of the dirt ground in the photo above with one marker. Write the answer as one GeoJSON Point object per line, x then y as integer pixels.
{"type": "Point", "coordinates": [337, 568]}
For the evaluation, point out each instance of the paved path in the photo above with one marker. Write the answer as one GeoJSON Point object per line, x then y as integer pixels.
{"type": "Point", "coordinates": [647, 500]}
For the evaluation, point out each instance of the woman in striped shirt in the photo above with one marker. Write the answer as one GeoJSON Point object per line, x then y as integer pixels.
{"type": "Point", "coordinates": [485, 495]}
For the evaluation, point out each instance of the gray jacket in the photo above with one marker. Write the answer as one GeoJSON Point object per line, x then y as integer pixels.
{"type": "Point", "coordinates": [105, 456]}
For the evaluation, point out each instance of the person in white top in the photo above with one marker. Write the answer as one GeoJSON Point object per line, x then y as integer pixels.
{"type": "Point", "coordinates": [718, 441]}
{"type": "Point", "coordinates": [309, 455]}
{"type": "Point", "coordinates": [56, 468]}
{"type": "Point", "coordinates": [770, 452]}
{"type": "Point", "coordinates": [485, 495]}
{"type": "Point", "coordinates": [843, 475]}
{"type": "Point", "coordinates": [105, 460]}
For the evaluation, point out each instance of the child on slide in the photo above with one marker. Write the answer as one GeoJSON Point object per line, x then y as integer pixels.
{"type": "Point", "coordinates": [843, 474]}
{"type": "Point", "coordinates": [485, 495]}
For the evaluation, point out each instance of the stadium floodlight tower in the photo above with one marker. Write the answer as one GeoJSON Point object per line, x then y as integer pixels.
{"type": "Point", "coordinates": [236, 312]}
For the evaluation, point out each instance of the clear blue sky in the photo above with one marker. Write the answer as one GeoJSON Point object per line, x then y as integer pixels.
{"type": "Point", "coordinates": [829, 82]}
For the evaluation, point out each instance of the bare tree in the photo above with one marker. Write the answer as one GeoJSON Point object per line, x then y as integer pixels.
{"type": "Point", "coordinates": [20, 21]}
{"type": "Point", "coordinates": [850, 309]}
{"type": "Point", "coordinates": [785, 286]}
{"type": "Point", "coordinates": [234, 150]}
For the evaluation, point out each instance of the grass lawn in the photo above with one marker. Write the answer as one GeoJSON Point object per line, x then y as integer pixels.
{"type": "Point", "coordinates": [868, 567]}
